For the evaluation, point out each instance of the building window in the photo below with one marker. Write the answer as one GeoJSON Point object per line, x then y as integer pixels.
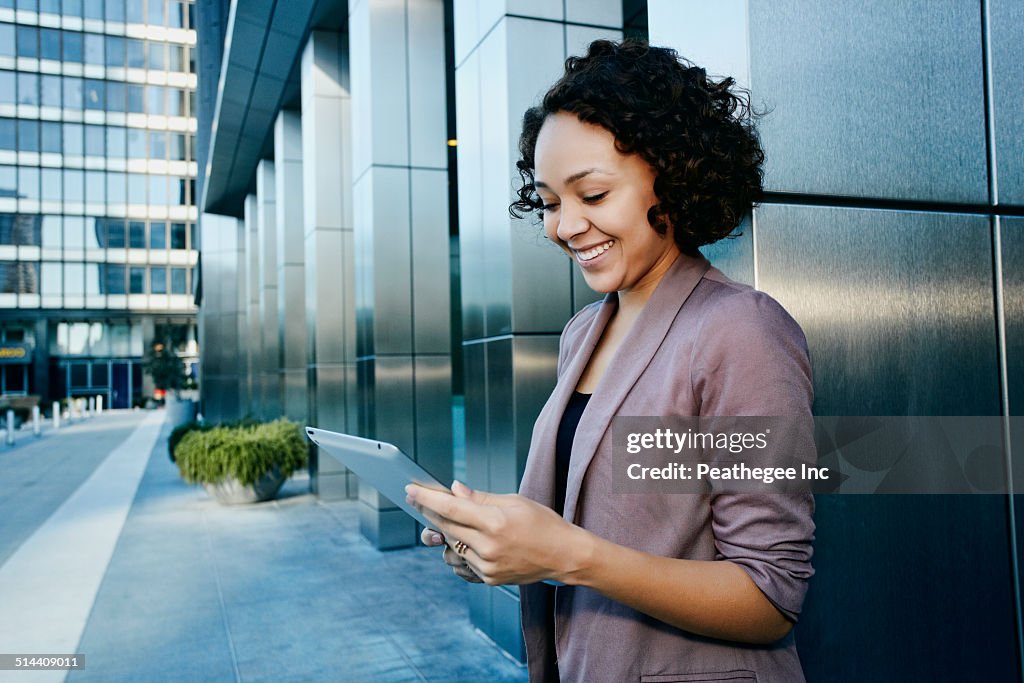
{"type": "Point", "coordinates": [178, 236]}
{"type": "Point", "coordinates": [73, 47]}
{"type": "Point", "coordinates": [114, 282]}
{"type": "Point", "coordinates": [19, 277]}
{"type": "Point", "coordinates": [178, 284]}
{"type": "Point", "coordinates": [137, 235]}
{"type": "Point", "coordinates": [50, 137]}
{"type": "Point", "coordinates": [115, 234]}
{"type": "Point", "coordinates": [158, 280]}
{"type": "Point", "coordinates": [94, 94]}
{"type": "Point", "coordinates": [115, 51]}
{"type": "Point", "coordinates": [136, 53]}
{"type": "Point", "coordinates": [49, 91]}
{"type": "Point", "coordinates": [74, 279]}
{"type": "Point", "coordinates": [93, 48]}
{"type": "Point", "coordinates": [49, 44]}
{"type": "Point", "coordinates": [115, 10]}
{"type": "Point", "coordinates": [28, 41]}
{"type": "Point", "coordinates": [158, 235]}
{"type": "Point", "coordinates": [28, 136]}
{"type": "Point", "coordinates": [72, 93]}
{"type": "Point", "coordinates": [8, 137]}
{"type": "Point", "coordinates": [7, 40]}
{"type": "Point", "coordinates": [28, 88]}
{"type": "Point", "coordinates": [8, 90]}
{"type": "Point", "coordinates": [137, 280]}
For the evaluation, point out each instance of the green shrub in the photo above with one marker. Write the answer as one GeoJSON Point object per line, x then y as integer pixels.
{"type": "Point", "coordinates": [245, 452]}
{"type": "Point", "coordinates": [179, 432]}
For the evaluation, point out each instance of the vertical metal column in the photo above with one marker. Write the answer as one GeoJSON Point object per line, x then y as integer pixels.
{"type": "Point", "coordinates": [291, 284]}
{"type": "Point", "coordinates": [401, 239]}
{"type": "Point", "coordinates": [517, 290]}
{"type": "Point", "coordinates": [327, 217]}
{"type": "Point", "coordinates": [266, 212]}
{"type": "Point", "coordinates": [254, 335]}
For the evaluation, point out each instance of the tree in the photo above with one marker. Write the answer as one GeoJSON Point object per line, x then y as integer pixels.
{"type": "Point", "coordinates": [164, 366]}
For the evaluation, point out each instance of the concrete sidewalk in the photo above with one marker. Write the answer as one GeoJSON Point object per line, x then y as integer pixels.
{"type": "Point", "coordinates": [280, 591]}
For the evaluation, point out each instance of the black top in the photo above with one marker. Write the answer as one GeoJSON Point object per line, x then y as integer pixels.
{"type": "Point", "coordinates": [563, 444]}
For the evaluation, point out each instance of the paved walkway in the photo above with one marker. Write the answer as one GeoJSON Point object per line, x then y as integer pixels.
{"type": "Point", "coordinates": [160, 583]}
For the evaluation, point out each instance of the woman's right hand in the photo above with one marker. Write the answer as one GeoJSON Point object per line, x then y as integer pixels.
{"type": "Point", "coordinates": [433, 538]}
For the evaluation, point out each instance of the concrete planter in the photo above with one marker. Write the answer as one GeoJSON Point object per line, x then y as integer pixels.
{"type": "Point", "coordinates": [230, 492]}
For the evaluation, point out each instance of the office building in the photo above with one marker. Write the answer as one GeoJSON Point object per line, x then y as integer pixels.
{"type": "Point", "coordinates": [97, 181]}
{"type": "Point", "coordinates": [362, 274]}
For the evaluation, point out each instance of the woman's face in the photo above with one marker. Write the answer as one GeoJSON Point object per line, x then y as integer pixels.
{"type": "Point", "coordinates": [595, 206]}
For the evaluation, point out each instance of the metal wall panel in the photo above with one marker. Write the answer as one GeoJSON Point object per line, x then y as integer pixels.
{"type": "Point", "coordinates": [1006, 26]}
{"type": "Point", "coordinates": [431, 278]}
{"type": "Point", "coordinates": [1012, 265]}
{"type": "Point", "coordinates": [734, 255]}
{"type": "Point", "coordinates": [470, 169]}
{"type": "Point", "coordinates": [859, 109]}
{"type": "Point", "coordinates": [916, 291]}
{"type": "Point", "coordinates": [432, 393]}
{"type": "Point", "coordinates": [914, 334]}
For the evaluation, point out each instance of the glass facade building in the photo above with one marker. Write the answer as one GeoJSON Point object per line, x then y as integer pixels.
{"type": "Point", "coordinates": [97, 183]}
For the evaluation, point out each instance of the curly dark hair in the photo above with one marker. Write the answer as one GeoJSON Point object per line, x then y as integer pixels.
{"type": "Point", "coordinates": [696, 133]}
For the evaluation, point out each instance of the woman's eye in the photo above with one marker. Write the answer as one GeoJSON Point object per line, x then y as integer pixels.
{"type": "Point", "coordinates": [548, 207]}
{"type": "Point", "coordinates": [595, 198]}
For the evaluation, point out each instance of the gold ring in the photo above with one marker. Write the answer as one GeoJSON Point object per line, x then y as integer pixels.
{"type": "Point", "coordinates": [461, 547]}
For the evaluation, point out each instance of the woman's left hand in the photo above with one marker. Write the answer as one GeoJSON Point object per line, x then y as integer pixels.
{"type": "Point", "coordinates": [508, 539]}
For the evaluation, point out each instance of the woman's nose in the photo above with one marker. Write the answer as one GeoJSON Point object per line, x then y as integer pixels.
{"type": "Point", "coordinates": [571, 223]}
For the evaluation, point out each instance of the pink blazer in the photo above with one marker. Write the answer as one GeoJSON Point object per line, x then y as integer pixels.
{"type": "Point", "coordinates": [703, 345]}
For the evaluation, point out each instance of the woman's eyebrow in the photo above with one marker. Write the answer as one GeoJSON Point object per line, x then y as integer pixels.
{"type": "Point", "coordinates": [575, 177]}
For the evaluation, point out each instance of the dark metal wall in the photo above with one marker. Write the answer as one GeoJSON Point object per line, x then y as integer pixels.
{"type": "Point", "coordinates": [893, 150]}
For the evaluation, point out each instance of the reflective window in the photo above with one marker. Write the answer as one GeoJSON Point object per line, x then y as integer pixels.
{"type": "Point", "coordinates": [72, 93]}
{"type": "Point", "coordinates": [49, 44]}
{"type": "Point", "coordinates": [137, 235]}
{"type": "Point", "coordinates": [120, 335]}
{"type": "Point", "coordinates": [19, 277]}
{"type": "Point", "coordinates": [74, 232]}
{"type": "Point", "coordinates": [28, 182]}
{"type": "Point", "coordinates": [95, 186]}
{"type": "Point", "coordinates": [50, 133]}
{"type": "Point", "coordinates": [136, 53]}
{"type": "Point", "coordinates": [115, 10]}
{"type": "Point", "coordinates": [30, 5]}
{"type": "Point", "coordinates": [73, 51]}
{"type": "Point", "coordinates": [158, 235]}
{"type": "Point", "coordinates": [115, 234]}
{"type": "Point", "coordinates": [157, 61]}
{"type": "Point", "coordinates": [174, 61]}
{"type": "Point", "coordinates": [136, 103]}
{"type": "Point", "coordinates": [155, 15]}
{"type": "Point", "coordinates": [136, 188]}
{"type": "Point", "coordinates": [74, 191]}
{"type": "Point", "coordinates": [8, 136]}
{"type": "Point", "coordinates": [178, 285]}
{"type": "Point", "coordinates": [51, 189]}
{"type": "Point", "coordinates": [192, 280]}
{"type": "Point", "coordinates": [94, 228]}
{"type": "Point", "coordinates": [51, 6]}
{"type": "Point", "coordinates": [158, 280]}
{"type": "Point", "coordinates": [28, 88]}
{"type": "Point", "coordinates": [92, 283]}
{"type": "Point", "coordinates": [28, 135]}
{"type": "Point", "coordinates": [157, 144]}
{"type": "Point", "coordinates": [116, 183]}
{"type": "Point", "coordinates": [155, 99]}
{"type": "Point", "coordinates": [115, 51]}
{"type": "Point", "coordinates": [115, 284]}
{"type": "Point", "coordinates": [72, 7]}
{"type": "Point", "coordinates": [117, 145]}
{"type": "Point", "coordinates": [134, 12]}
{"type": "Point", "coordinates": [7, 48]}
{"type": "Point", "coordinates": [180, 195]}
{"type": "Point", "coordinates": [74, 285]}
{"type": "Point", "coordinates": [51, 278]}
{"type": "Point", "coordinates": [73, 140]}
{"type": "Point", "coordinates": [94, 140]}
{"type": "Point", "coordinates": [93, 9]}
{"type": "Point", "coordinates": [115, 96]}
{"type": "Point", "coordinates": [136, 143]}
{"type": "Point", "coordinates": [94, 94]}
{"type": "Point", "coordinates": [178, 236]}
{"type": "Point", "coordinates": [136, 280]}
{"type": "Point", "coordinates": [8, 181]}
{"type": "Point", "coordinates": [158, 189]}
{"type": "Point", "coordinates": [7, 88]}
{"type": "Point", "coordinates": [93, 48]}
{"type": "Point", "coordinates": [28, 41]}
{"type": "Point", "coordinates": [79, 375]}
{"type": "Point", "coordinates": [177, 147]}
{"type": "Point", "coordinates": [49, 91]}
{"type": "Point", "coordinates": [100, 371]}
{"type": "Point", "coordinates": [51, 233]}
{"type": "Point", "coordinates": [175, 102]}
{"type": "Point", "coordinates": [78, 336]}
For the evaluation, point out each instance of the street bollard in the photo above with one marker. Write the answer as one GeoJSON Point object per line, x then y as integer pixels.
{"type": "Point", "coordinates": [36, 428]}
{"type": "Point", "coordinates": [56, 415]}
{"type": "Point", "coordinates": [99, 404]}
{"type": "Point", "coordinates": [90, 407]}
{"type": "Point", "coordinates": [10, 427]}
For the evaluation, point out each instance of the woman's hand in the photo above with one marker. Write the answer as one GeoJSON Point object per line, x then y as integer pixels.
{"type": "Point", "coordinates": [432, 538]}
{"type": "Point", "coordinates": [508, 539]}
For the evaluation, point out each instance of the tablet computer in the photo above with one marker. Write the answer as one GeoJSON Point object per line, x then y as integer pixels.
{"type": "Point", "coordinates": [380, 464]}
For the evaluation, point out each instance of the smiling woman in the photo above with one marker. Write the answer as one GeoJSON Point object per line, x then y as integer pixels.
{"type": "Point", "coordinates": [635, 159]}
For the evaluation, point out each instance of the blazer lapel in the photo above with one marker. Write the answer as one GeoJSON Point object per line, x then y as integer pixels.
{"type": "Point", "coordinates": [630, 360]}
{"type": "Point", "coordinates": [539, 476]}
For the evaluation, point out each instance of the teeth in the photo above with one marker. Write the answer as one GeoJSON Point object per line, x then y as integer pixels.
{"type": "Point", "coordinates": [595, 252]}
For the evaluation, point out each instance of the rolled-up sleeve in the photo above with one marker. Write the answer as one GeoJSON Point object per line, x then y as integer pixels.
{"type": "Point", "coordinates": [751, 358]}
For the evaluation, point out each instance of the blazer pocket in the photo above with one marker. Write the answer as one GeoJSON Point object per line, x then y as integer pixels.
{"type": "Point", "coordinates": [739, 675]}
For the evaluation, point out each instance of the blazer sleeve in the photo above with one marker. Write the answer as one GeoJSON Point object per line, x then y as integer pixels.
{"type": "Point", "coordinates": [751, 358]}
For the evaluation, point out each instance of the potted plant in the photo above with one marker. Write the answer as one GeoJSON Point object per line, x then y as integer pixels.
{"type": "Point", "coordinates": [243, 463]}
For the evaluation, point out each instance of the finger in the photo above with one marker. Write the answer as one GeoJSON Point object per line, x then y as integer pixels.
{"type": "Point", "coordinates": [467, 574]}
{"type": "Point", "coordinates": [451, 530]}
{"type": "Point", "coordinates": [431, 538]}
{"type": "Point", "coordinates": [459, 510]}
{"type": "Point", "coordinates": [460, 490]}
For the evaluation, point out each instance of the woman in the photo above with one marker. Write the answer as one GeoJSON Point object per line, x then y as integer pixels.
{"type": "Point", "coordinates": [635, 160]}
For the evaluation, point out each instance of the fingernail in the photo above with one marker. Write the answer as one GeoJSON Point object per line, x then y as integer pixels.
{"type": "Point", "coordinates": [435, 538]}
{"type": "Point", "coordinates": [408, 488]}
{"type": "Point", "coordinates": [460, 485]}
